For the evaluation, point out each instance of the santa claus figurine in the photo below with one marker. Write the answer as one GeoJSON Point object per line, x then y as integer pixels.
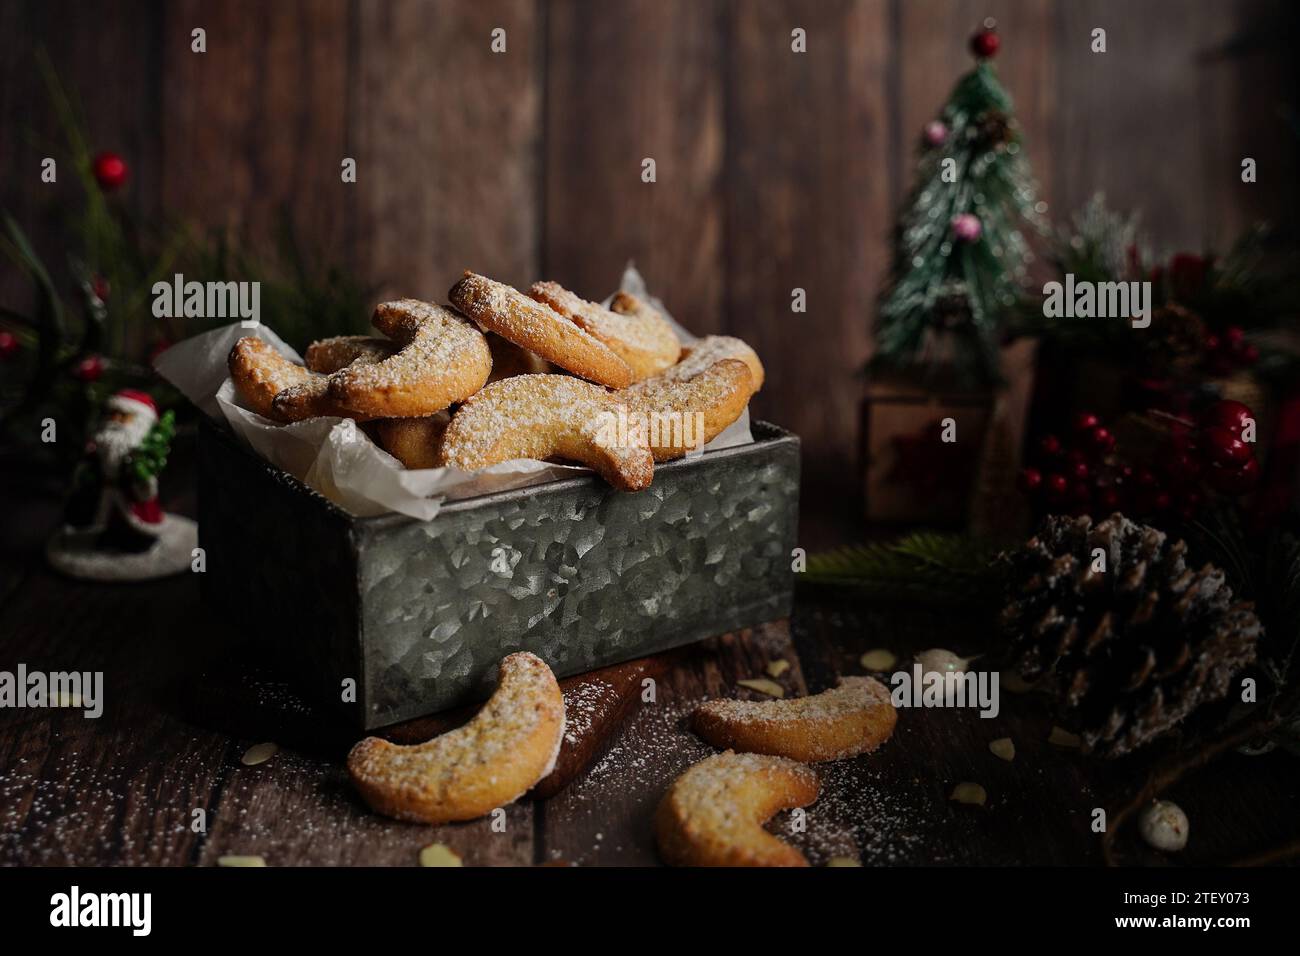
{"type": "Point", "coordinates": [115, 489]}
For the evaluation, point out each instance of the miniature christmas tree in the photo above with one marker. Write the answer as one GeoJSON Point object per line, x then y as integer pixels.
{"type": "Point", "coordinates": [960, 249]}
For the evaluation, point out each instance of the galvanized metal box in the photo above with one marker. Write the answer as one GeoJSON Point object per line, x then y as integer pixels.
{"type": "Point", "coordinates": [419, 612]}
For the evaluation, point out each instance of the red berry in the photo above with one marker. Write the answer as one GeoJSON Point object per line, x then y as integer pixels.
{"type": "Point", "coordinates": [1249, 354]}
{"type": "Point", "coordinates": [985, 43]}
{"type": "Point", "coordinates": [1086, 422]}
{"type": "Point", "coordinates": [89, 368]}
{"type": "Point", "coordinates": [1101, 440]}
{"type": "Point", "coordinates": [1108, 499]}
{"type": "Point", "coordinates": [1056, 486]}
{"type": "Point", "coordinates": [1235, 481]}
{"type": "Point", "coordinates": [1050, 446]}
{"type": "Point", "coordinates": [1080, 470]}
{"type": "Point", "coordinates": [110, 171]}
{"type": "Point", "coordinates": [1212, 343]}
{"type": "Point", "coordinates": [1222, 447]}
{"type": "Point", "coordinates": [1162, 501]}
{"type": "Point", "coordinates": [1234, 336]}
{"type": "Point", "coordinates": [1031, 479]}
{"type": "Point", "coordinates": [8, 345]}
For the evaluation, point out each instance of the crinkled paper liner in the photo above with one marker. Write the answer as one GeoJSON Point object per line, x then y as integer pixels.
{"type": "Point", "coordinates": [338, 459]}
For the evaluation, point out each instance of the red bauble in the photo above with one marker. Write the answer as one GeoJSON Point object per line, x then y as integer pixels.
{"type": "Point", "coordinates": [89, 369]}
{"type": "Point", "coordinates": [1086, 422]}
{"type": "Point", "coordinates": [1031, 479]}
{"type": "Point", "coordinates": [985, 43]}
{"type": "Point", "coordinates": [110, 171]}
{"type": "Point", "coordinates": [1222, 447]}
{"type": "Point", "coordinates": [1234, 481]}
{"type": "Point", "coordinates": [1228, 414]}
{"type": "Point", "coordinates": [8, 345]}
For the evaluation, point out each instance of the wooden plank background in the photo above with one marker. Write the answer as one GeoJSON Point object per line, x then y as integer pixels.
{"type": "Point", "coordinates": [775, 170]}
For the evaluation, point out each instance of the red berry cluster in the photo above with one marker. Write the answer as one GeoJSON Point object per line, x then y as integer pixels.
{"type": "Point", "coordinates": [1230, 351]}
{"type": "Point", "coordinates": [1228, 463]}
{"type": "Point", "coordinates": [1084, 475]}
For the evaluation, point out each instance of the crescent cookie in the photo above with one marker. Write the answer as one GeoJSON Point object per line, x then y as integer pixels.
{"type": "Point", "coordinates": [703, 353]}
{"type": "Point", "coordinates": [713, 814]}
{"type": "Point", "coordinates": [854, 718]}
{"type": "Point", "coordinates": [330, 355]}
{"type": "Point", "coordinates": [509, 359]}
{"type": "Point", "coordinates": [440, 359]}
{"type": "Point", "coordinates": [681, 416]}
{"type": "Point", "coordinates": [311, 398]}
{"type": "Point", "coordinates": [637, 334]}
{"type": "Point", "coordinates": [412, 441]}
{"type": "Point", "coordinates": [260, 373]}
{"type": "Point", "coordinates": [539, 328]}
{"type": "Point", "coordinates": [546, 416]}
{"type": "Point", "coordinates": [466, 773]}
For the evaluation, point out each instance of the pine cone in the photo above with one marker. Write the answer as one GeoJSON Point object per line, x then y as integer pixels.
{"type": "Point", "coordinates": [1131, 651]}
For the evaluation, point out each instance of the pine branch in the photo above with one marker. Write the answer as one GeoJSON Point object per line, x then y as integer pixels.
{"type": "Point", "coordinates": [926, 566]}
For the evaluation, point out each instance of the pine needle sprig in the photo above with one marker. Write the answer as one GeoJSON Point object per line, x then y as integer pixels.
{"type": "Point", "coordinates": [925, 566]}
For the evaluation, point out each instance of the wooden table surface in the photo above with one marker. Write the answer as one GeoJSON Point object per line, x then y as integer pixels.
{"type": "Point", "coordinates": [184, 699]}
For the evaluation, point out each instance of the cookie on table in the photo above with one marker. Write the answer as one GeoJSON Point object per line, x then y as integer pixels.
{"type": "Point", "coordinates": [713, 814]}
{"type": "Point", "coordinates": [507, 747]}
{"type": "Point", "coordinates": [854, 718]}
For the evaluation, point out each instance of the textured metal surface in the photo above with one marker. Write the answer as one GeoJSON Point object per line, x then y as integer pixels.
{"type": "Point", "coordinates": [581, 575]}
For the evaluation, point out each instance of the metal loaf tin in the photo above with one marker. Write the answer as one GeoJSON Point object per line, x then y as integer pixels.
{"type": "Point", "coordinates": [419, 612]}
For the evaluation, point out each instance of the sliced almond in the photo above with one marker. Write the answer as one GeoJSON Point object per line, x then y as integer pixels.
{"type": "Point", "coordinates": [777, 668]}
{"type": "Point", "coordinates": [763, 686]}
{"type": "Point", "coordinates": [878, 660]}
{"type": "Point", "coordinates": [967, 792]}
{"type": "Point", "coordinates": [843, 861]}
{"type": "Point", "coordinates": [259, 753]}
{"type": "Point", "coordinates": [236, 860]}
{"type": "Point", "coordinates": [1063, 738]}
{"type": "Point", "coordinates": [1003, 747]}
{"type": "Point", "coordinates": [436, 854]}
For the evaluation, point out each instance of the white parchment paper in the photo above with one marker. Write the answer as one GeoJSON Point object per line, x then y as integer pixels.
{"type": "Point", "coordinates": [338, 459]}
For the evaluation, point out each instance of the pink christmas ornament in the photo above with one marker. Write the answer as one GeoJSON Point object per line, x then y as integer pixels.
{"type": "Point", "coordinates": [936, 134]}
{"type": "Point", "coordinates": [966, 228]}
